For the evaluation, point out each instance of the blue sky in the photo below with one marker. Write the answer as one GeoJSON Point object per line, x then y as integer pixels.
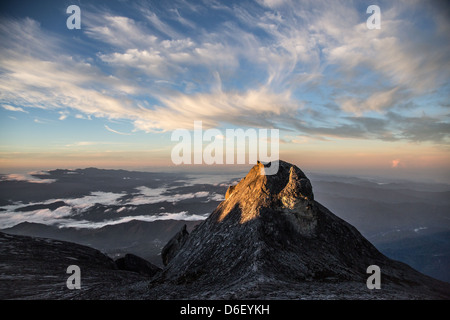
{"type": "Point", "coordinates": [111, 93]}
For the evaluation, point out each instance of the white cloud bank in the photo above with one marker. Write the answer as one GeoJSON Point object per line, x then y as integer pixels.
{"type": "Point", "coordinates": [67, 215]}
{"type": "Point", "coordinates": [183, 215]}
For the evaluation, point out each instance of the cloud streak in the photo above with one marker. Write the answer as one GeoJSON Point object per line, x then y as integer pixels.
{"type": "Point", "coordinates": [11, 108]}
{"type": "Point", "coordinates": [183, 215]}
{"type": "Point", "coordinates": [115, 131]}
{"type": "Point", "coordinates": [24, 177]}
{"type": "Point", "coordinates": [147, 195]}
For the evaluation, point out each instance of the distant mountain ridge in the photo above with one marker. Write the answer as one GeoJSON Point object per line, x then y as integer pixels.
{"type": "Point", "coordinates": [145, 239]}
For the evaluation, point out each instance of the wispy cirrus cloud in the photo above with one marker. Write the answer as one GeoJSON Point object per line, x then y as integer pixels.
{"type": "Point", "coordinates": [264, 63]}
{"type": "Point", "coordinates": [115, 131]}
{"type": "Point", "coordinates": [11, 108]}
{"type": "Point", "coordinates": [158, 24]}
{"type": "Point", "coordinates": [120, 31]}
{"type": "Point", "coordinates": [256, 108]}
{"type": "Point", "coordinates": [87, 143]}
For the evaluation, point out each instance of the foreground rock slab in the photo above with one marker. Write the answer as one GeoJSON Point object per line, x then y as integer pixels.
{"type": "Point", "coordinates": [35, 268]}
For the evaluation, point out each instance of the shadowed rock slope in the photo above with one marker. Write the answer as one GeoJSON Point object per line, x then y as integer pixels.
{"type": "Point", "coordinates": [270, 239]}
{"type": "Point", "coordinates": [35, 268]}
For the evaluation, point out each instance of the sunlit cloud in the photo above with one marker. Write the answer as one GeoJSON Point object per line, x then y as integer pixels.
{"type": "Point", "coordinates": [378, 101]}
{"type": "Point", "coordinates": [257, 108]}
{"type": "Point", "coordinates": [25, 177]}
{"type": "Point", "coordinates": [11, 108]}
{"type": "Point", "coordinates": [115, 131]}
{"type": "Point", "coordinates": [63, 115]}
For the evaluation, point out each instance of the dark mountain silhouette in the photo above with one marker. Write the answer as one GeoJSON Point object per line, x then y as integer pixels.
{"type": "Point", "coordinates": [270, 238]}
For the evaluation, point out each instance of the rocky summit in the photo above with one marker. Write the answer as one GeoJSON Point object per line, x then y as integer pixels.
{"type": "Point", "coordinates": [269, 239]}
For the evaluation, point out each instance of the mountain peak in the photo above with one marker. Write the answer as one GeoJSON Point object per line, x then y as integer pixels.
{"type": "Point", "coordinates": [270, 233]}
{"type": "Point", "coordinates": [288, 191]}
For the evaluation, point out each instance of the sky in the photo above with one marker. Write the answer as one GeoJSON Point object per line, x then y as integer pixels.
{"type": "Point", "coordinates": [346, 98]}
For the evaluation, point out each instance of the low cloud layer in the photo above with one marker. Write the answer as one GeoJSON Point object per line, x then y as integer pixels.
{"type": "Point", "coordinates": [162, 216]}
{"type": "Point", "coordinates": [24, 177]}
{"type": "Point", "coordinates": [118, 206]}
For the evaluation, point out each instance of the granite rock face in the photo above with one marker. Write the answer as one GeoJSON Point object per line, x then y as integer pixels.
{"type": "Point", "coordinates": [174, 244]}
{"type": "Point", "coordinates": [270, 233]}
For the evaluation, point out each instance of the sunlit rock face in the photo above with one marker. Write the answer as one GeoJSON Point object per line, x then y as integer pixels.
{"type": "Point", "coordinates": [289, 193]}
{"type": "Point", "coordinates": [270, 233]}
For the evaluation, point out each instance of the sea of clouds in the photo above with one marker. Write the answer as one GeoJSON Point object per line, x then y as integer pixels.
{"type": "Point", "coordinates": [118, 205]}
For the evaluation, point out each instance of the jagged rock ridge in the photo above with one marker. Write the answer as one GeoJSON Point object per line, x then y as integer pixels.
{"type": "Point", "coordinates": [174, 245]}
{"type": "Point", "coordinates": [270, 233]}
